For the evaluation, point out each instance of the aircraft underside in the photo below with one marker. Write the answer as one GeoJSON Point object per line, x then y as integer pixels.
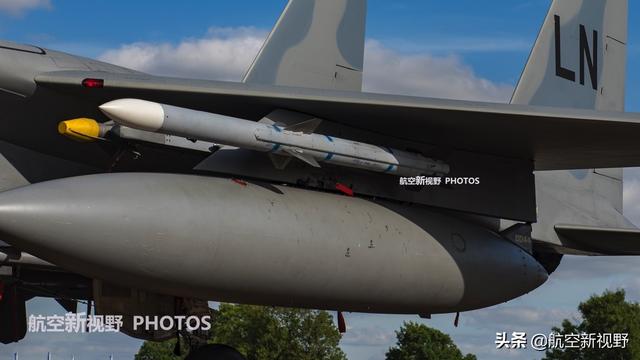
{"type": "Point", "coordinates": [249, 241]}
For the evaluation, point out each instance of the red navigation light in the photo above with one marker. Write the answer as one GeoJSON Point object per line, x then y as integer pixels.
{"type": "Point", "coordinates": [93, 83]}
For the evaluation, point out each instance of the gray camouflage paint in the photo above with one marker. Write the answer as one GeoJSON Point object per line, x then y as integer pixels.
{"type": "Point", "coordinates": [587, 196]}
{"type": "Point", "coordinates": [265, 244]}
{"type": "Point", "coordinates": [315, 44]}
{"type": "Point", "coordinates": [219, 239]}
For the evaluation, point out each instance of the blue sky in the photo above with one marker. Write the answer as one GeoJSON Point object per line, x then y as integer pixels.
{"type": "Point", "coordinates": [459, 49]}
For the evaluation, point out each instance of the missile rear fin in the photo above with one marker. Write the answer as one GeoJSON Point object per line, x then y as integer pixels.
{"type": "Point", "coordinates": [280, 162]}
{"type": "Point", "coordinates": [306, 127]}
{"type": "Point", "coordinates": [292, 121]}
{"type": "Point", "coordinates": [286, 118]}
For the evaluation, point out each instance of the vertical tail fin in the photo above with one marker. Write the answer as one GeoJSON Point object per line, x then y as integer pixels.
{"type": "Point", "coordinates": [316, 44]}
{"type": "Point", "coordinates": [579, 58]}
{"type": "Point", "coordinates": [578, 61]}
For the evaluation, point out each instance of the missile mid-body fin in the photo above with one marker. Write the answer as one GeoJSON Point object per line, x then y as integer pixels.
{"type": "Point", "coordinates": [301, 155]}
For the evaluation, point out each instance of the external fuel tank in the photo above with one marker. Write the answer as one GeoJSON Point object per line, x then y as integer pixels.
{"type": "Point", "coordinates": [235, 241]}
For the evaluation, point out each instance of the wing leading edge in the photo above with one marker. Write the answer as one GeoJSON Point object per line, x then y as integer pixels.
{"type": "Point", "coordinates": [553, 138]}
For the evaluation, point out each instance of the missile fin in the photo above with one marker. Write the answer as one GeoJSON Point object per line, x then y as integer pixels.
{"type": "Point", "coordinates": [280, 161]}
{"type": "Point", "coordinates": [299, 154]}
{"type": "Point", "coordinates": [285, 118]}
{"type": "Point", "coordinates": [89, 137]}
{"type": "Point", "coordinates": [306, 127]}
{"type": "Point", "coordinates": [266, 121]}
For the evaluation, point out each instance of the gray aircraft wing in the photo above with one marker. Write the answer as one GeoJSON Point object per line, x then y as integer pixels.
{"type": "Point", "coordinates": [600, 240]}
{"type": "Point", "coordinates": [553, 138]}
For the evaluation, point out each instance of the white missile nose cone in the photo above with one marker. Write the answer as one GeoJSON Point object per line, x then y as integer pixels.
{"type": "Point", "coordinates": [138, 114]}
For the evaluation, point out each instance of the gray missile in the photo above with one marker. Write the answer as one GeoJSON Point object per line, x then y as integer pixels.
{"type": "Point", "coordinates": [215, 239]}
{"type": "Point", "coordinates": [297, 140]}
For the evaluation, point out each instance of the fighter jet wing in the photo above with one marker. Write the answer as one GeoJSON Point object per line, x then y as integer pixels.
{"type": "Point", "coordinates": [600, 240]}
{"type": "Point", "coordinates": [553, 138]}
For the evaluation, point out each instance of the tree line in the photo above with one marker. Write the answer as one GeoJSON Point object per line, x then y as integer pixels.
{"type": "Point", "coordinates": [271, 333]}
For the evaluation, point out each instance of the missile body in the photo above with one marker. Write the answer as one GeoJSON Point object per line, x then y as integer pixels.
{"type": "Point", "coordinates": [268, 137]}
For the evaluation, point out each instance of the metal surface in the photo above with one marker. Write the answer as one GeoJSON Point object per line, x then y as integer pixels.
{"type": "Point", "coordinates": [262, 244]}
{"type": "Point", "coordinates": [506, 188]}
{"type": "Point", "coordinates": [381, 250]}
{"type": "Point", "coordinates": [545, 135]}
{"type": "Point", "coordinates": [579, 60]}
{"type": "Point", "coordinates": [267, 137]}
{"type": "Point", "coordinates": [314, 44]}
{"type": "Point", "coordinates": [600, 240]}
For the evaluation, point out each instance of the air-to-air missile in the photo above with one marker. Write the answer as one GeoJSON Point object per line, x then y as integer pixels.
{"type": "Point", "coordinates": [213, 238]}
{"type": "Point", "coordinates": [297, 140]}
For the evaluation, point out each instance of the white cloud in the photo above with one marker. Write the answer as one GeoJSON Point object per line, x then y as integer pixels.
{"type": "Point", "coordinates": [224, 54]}
{"type": "Point", "coordinates": [518, 317]}
{"type": "Point", "coordinates": [389, 71]}
{"type": "Point", "coordinates": [368, 336]}
{"type": "Point", "coordinates": [464, 44]}
{"type": "Point", "coordinates": [19, 7]}
{"type": "Point", "coordinates": [630, 284]}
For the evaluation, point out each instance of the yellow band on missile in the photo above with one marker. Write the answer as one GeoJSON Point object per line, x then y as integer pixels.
{"type": "Point", "coordinates": [83, 129]}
